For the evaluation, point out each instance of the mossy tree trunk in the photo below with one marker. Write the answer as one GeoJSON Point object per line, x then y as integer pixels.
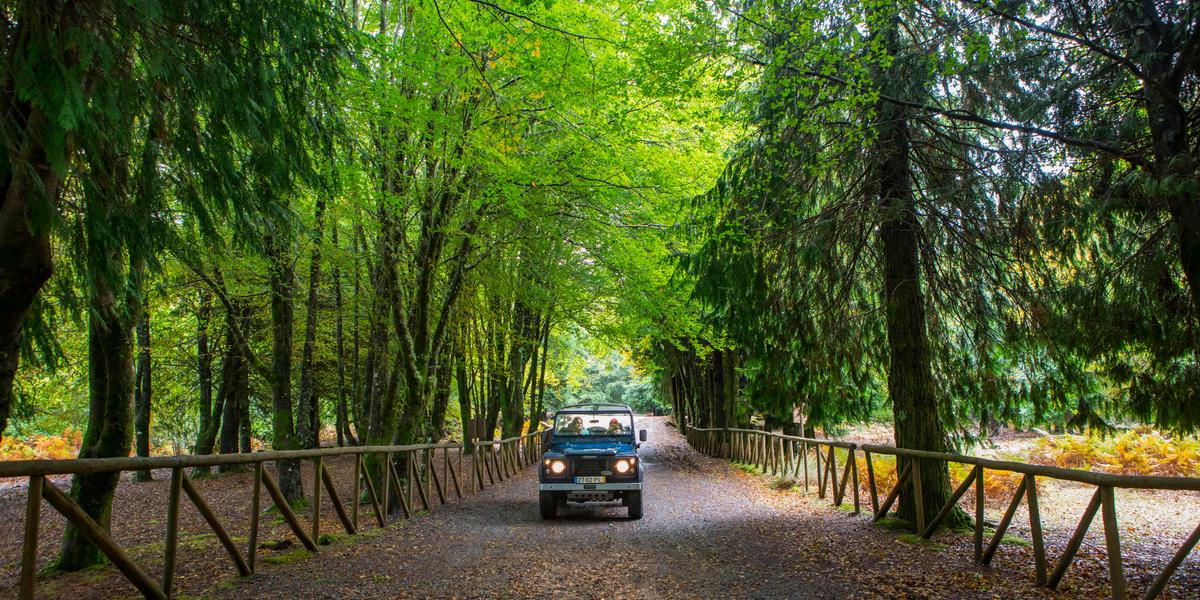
{"type": "Point", "coordinates": [917, 418]}
{"type": "Point", "coordinates": [282, 422]}
{"type": "Point", "coordinates": [109, 429]}
{"type": "Point", "coordinates": [142, 394]}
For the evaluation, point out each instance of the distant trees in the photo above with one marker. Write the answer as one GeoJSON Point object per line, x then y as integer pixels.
{"type": "Point", "coordinates": [366, 214]}
{"type": "Point", "coordinates": [961, 211]}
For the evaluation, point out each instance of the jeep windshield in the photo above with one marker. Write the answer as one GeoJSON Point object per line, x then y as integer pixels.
{"type": "Point", "coordinates": [593, 424]}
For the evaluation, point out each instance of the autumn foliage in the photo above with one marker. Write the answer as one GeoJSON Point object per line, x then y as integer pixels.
{"type": "Point", "coordinates": [1136, 452]}
{"type": "Point", "coordinates": [64, 445]}
{"type": "Point", "coordinates": [998, 486]}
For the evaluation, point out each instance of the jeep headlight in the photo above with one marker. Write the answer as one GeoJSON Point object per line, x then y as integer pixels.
{"type": "Point", "coordinates": [556, 467]}
{"type": "Point", "coordinates": [624, 466]}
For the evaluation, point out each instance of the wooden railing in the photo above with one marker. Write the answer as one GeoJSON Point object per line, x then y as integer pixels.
{"type": "Point", "coordinates": [495, 460]}
{"type": "Point", "coordinates": [785, 455]}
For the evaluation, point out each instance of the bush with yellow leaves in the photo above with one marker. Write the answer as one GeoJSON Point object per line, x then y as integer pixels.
{"type": "Point", "coordinates": [998, 486]}
{"type": "Point", "coordinates": [65, 445]}
{"type": "Point", "coordinates": [1140, 451]}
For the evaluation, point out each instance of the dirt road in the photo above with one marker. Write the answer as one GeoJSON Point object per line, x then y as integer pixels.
{"type": "Point", "coordinates": [710, 531]}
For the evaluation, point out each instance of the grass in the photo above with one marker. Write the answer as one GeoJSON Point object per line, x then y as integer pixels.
{"type": "Point", "coordinates": [288, 558]}
{"type": "Point", "coordinates": [751, 469]}
{"type": "Point", "coordinates": [916, 540]}
{"type": "Point", "coordinates": [1016, 541]}
{"type": "Point", "coordinates": [894, 523]}
{"type": "Point", "coordinates": [783, 484]}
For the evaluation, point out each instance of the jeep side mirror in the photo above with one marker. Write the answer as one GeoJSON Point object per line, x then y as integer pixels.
{"type": "Point", "coordinates": [642, 435]}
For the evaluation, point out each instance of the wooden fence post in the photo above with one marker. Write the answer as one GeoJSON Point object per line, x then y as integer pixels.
{"type": "Point", "coordinates": [1112, 541]}
{"type": "Point", "coordinates": [96, 534]}
{"type": "Point", "coordinates": [33, 515]}
{"type": "Point", "coordinates": [316, 502]}
{"type": "Point", "coordinates": [171, 544]}
{"type": "Point", "coordinates": [255, 515]}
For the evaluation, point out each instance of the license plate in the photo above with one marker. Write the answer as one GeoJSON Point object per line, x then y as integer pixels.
{"type": "Point", "coordinates": [591, 479]}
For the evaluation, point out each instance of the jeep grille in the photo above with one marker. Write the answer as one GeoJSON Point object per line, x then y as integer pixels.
{"type": "Point", "coordinates": [590, 466]}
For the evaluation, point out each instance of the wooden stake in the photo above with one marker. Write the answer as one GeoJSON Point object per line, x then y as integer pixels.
{"type": "Point", "coordinates": [380, 516]}
{"type": "Point", "coordinates": [437, 482]}
{"type": "Point", "coordinates": [1160, 582]}
{"type": "Point", "coordinates": [905, 473]}
{"type": "Point", "coordinates": [171, 544]}
{"type": "Point", "coordinates": [1064, 561]}
{"type": "Point", "coordinates": [871, 488]}
{"type": "Point", "coordinates": [354, 499]}
{"type": "Point", "coordinates": [854, 477]}
{"type": "Point", "coordinates": [318, 463]}
{"type": "Point", "coordinates": [215, 524]}
{"type": "Point", "coordinates": [1112, 540]}
{"type": "Point", "coordinates": [386, 499]}
{"type": "Point", "coordinates": [400, 493]}
{"type": "Point", "coordinates": [949, 506]}
{"type": "Point", "coordinates": [1035, 528]}
{"type": "Point", "coordinates": [415, 479]}
{"type": "Point", "coordinates": [804, 450]}
{"type": "Point", "coordinates": [284, 509]}
{"type": "Point", "coordinates": [454, 474]}
{"type": "Point", "coordinates": [336, 500]}
{"type": "Point", "coordinates": [255, 515]}
{"type": "Point", "coordinates": [990, 551]}
{"type": "Point", "coordinates": [918, 493]}
{"type": "Point", "coordinates": [96, 534]}
{"type": "Point", "coordinates": [33, 515]}
{"type": "Point", "coordinates": [979, 514]}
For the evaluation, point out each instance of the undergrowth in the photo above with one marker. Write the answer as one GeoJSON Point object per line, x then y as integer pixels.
{"type": "Point", "coordinates": [1141, 451]}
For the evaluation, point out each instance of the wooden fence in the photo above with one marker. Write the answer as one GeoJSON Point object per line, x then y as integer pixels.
{"type": "Point", "coordinates": [787, 456]}
{"type": "Point", "coordinates": [494, 462]}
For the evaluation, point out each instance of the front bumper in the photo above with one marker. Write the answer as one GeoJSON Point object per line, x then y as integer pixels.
{"type": "Point", "coordinates": [589, 487]}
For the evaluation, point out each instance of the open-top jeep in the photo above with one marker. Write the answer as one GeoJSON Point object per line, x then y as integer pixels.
{"type": "Point", "coordinates": [592, 457]}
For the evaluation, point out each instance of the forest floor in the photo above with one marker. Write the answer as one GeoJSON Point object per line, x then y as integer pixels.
{"type": "Point", "coordinates": [710, 531]}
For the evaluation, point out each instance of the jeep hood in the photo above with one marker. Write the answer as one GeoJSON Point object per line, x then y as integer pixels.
{"type": "Point", "coordinates": [593, 448]}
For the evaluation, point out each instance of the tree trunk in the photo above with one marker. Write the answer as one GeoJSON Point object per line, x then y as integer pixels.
{"type": "Point", "coordinates": [308, 419]}
{"type": "Point", "coordinates": [464, 392]}
{"type": "Point", "coordinates": [109, 431]}
{"type": "Point", "coordinates": [25, 259]}
{"type": "Point", "coordinates": [142, 395]}
{"type": "Point", "coordinates": [282, 423]}
{"type": "Point", "coordinates": [206, 435]}
{"type": "Point", "coordinates": [441, 398]}
{"type": "Point", "coordinates": [918, 422]}
{"type": "Point", "coordinates": [235, 373]}
{"type": "Point", "coordinates": [344, 435]}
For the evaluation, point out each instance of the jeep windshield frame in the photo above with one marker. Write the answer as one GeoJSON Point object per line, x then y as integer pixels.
{"type": "Point", "coordinates": [592, 424]}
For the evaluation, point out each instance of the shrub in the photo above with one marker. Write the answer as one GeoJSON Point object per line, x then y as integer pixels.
{"type": "Point", "coordinates": [998, 486]}
{"type": "Point", "coordinates": [65, 445]}
{"type": "Point", "coordinates": [1135, 452]}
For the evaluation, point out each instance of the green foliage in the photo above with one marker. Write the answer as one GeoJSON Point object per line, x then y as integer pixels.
{"type": "Point", "coordinates": [586, 370]}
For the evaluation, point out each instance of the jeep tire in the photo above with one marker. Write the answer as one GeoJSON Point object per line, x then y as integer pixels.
{"type": "Point", "coordinates": [548, 504]}
{"type": "Point", "coordinates": [634, 501]}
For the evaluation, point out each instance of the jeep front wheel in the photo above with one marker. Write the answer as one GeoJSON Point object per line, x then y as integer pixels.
{"type": "Point", "coordinates": [548, 504]}
{"type": "Point", "coordinates": [634, 501]}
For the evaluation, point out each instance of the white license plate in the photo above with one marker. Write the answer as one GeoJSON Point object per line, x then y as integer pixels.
{"type": "Point", "coordinates": [592, 479]}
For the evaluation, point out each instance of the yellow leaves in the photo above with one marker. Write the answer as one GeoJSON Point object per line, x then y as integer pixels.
{"type": "Point", "coordinates": [998, 486]}
{"type": "Point", "coordinates": [53, 447]}
{"type": "Point", "coordinates": [1135, 452]}
{"type": "Point", "coordinates": [537, 48]}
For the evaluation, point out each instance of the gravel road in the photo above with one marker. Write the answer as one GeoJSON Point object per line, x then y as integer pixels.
{"type": "Point", "coordinates": [709, 531]}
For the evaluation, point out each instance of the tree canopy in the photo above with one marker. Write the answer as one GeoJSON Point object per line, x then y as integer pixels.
{"type": "Point", "coordinates": [381, 221]}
